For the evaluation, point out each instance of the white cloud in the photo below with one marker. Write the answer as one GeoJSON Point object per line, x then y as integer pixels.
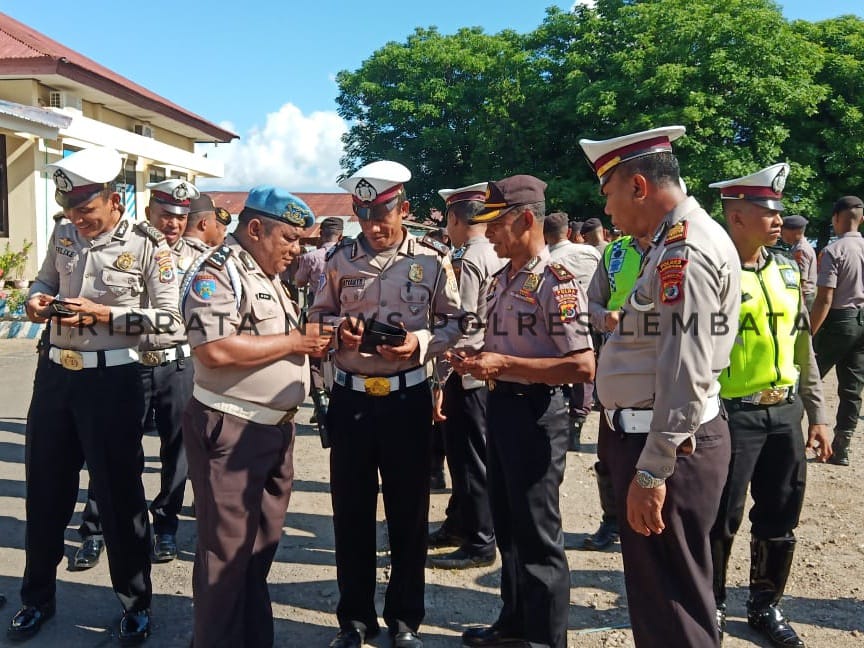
{"type": "Point", "coordinates": [293, 150]}
{"type": "Point", "coordinates": [585, 3]}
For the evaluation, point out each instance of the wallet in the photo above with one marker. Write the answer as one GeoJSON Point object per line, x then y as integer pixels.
{"type": "Point", "coordinates": [375, 333]}
{"type": "Point", "coordinates": [57, 309]}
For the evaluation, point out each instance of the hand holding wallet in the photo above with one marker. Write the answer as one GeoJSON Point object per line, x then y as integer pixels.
{"type": "Point", "coordinates": [375, 333]}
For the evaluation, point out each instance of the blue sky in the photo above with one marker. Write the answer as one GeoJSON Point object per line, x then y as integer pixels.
{"type": "Point", "coordinates": [265, 68]}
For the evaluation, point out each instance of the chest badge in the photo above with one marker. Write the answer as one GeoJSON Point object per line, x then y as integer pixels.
{"type": "Point", "coordinates": [125, 261]}
{"type": "Point", "coordinates": [415, 273]}
{"type": "Point", "coordinates": [532, 281]}
{"type": "Point", "coordinates": [65, 242]}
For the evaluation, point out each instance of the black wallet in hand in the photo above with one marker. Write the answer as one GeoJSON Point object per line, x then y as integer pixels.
{"type": "Point", "coordinates": [375, 333]}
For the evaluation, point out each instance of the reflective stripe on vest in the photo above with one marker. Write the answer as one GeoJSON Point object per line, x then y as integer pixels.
{"type": "Point", "coordinates": [763, 355]}
{"type": "Point", "coordinates": [622, 260]}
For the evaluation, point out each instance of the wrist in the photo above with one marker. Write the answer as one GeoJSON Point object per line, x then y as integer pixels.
{"type": "Point", "coordinates": [645, 479]}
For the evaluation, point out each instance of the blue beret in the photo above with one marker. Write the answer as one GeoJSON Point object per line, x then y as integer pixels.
{"type": "Point", "coordinates": [280, 205]}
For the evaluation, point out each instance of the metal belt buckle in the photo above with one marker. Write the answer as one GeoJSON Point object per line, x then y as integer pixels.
{"type": "Point", "coordinates": [772, 396]}
{"type": "Point", "coordinates": [490, 384]}
{"type": "Point", "coordinates": [71, 360]}
{"type": "Point", "coordinates": [377, 386]}
{"type": "Point", "coordinates": [151, 358]}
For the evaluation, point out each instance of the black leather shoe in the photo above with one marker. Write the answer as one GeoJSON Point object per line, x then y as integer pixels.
{"type": "Point", "coordinates": [352, 638]}
{"type": "Point", "coordinates": [461, 559]}
{"type": "Point", "coordinates": [442, 537]}
{"type": "Point", "coordinates": [27, 621]}
{"type": "Point", "coordinates": [773, 624]}
{"type": "Point", "coordinates": [602, 538]}
{"type": "Point", "coordinates": [134, 628]}
{"type": "Point", "coordinates": [491, 636]}
{"type": "Point", "coordinates": [407, 640]}
{"type": "Point", "coordinates": [164, 548]}
{"type": "Point", "coordinates": [88, 554]}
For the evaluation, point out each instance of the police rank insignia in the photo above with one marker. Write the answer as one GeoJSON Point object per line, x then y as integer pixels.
{"type": "Point", "coordinates": [66, 242]}
{"type": "Point", "coordinates": [125, 261]}
{"type": "Point", "coordinates": [415, 273]}
{"type": "Point", "coordinates": [204, 285]}
{"type": "Point", "coordinates": [532, 281]}
{"type": "Point", "coordinates": [671, 280]}
{"type": "Point", "coordinates": [677, 232]}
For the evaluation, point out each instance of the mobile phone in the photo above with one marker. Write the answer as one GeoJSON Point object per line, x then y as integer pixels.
{"type": "Point", "coordinates": [57, 308]}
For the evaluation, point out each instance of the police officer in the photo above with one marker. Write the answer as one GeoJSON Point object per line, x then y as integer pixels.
{"type": "Point", "coordinates": [594, 234]}
{"type": "Point", "coordinates": [668, 445]}
{"type": "Point", "coordinates": [310, 272]}
{"type": "Point", "coordinates": [574, 231]}
{"type": "Point", "coordinates": [838, 319]}
{"type": "Point", "coordinates": [609, 288]}
{"type": "Point", "coordinates": [463, 412]}
{"type": "Point", "coordinates": [251, 375]}
{"type": "Point", "coordinates": [536, 340]}
{"type": "Point", "coordinates": [582, 261]}
{"type": "Point", "coordinates": [166, 371]}
{"type": "Point", "coordinates": [772, 354]}
{"type": "Point", "coordinates": [100, 267]}
{"type": "Point", "coordinates": [388, 276]}
{"type": "Point", "coordinates": [206, 223]}
{"type": "Point", "coordinates": [792, 235]}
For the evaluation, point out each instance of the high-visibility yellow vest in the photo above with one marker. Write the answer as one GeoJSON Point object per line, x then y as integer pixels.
{"type": "Point", "coordinates": [764, 352]}
{"type": "Point", "coordinates": [622, 260]}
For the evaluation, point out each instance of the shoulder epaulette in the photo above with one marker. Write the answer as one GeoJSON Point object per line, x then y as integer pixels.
{"type": "Point", "coordinates": [343, 242]}
{"type": "Point", "coordinates": [676, 233]}
{"type": "Point", "coordinates": [560, 272]}
{"type": "Point", "coordinates": [150, 232]}
{"type": "Point", "coordinates": [438, 246]}
{"type": "Point", "coordinates": [247, 260]}
{"type": "Point", "coordinates": [219, 256]}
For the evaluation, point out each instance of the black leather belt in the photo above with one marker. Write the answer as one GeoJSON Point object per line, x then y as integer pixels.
{"type": "Point", "coordinates": [520, 389]}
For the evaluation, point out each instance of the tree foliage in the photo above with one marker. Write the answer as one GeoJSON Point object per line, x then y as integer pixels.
{"type": "Point", "coordinates": [751, 88]}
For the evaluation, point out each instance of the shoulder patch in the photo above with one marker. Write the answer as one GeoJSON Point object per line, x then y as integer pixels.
{"type": "Point", "coordinates": [438, 246]}
{"type": "Point", "coordinates": [671, 279]}
{"type": "Point", "coordinates": [120, 232]}
{"type": "Point", "coordinates": [150, 232]}
{"type": "Point", "coordinates": [219, 256]}
{"type": "Point", "coordinates": [344, 242]}
{"type": "Point", "coordinates": [676, 233]}
{"type": "Point", "coordinates": [560, 272]}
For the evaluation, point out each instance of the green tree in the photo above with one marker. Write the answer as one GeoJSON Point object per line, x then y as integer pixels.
{"type": "Point", "coordinates": [832, 140]}
{"type": "Point", "coordinates": [433, 103]}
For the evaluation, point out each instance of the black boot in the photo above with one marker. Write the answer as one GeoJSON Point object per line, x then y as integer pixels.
{"type": "Point", "coordinates": [608, 531]}
{"type": "Point", "coordinates": [721, 549]}
{"type": "Point", "coordinates": [770, 562]}
{"type": "Point", "coordinates": [576, 423]}
{"type": "Point", "coordinates": [840, 446]}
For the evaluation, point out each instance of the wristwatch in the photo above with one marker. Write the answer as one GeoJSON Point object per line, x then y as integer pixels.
{"type": "Point", "coordinates": [645, 479]}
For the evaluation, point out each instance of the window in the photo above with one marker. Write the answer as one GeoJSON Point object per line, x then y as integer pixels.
{"type": "Point", "coordinates": [4, 190]}
{"type": "Point", "coordinates": [157, 174]}
{"type": "Point", "coordinates": [179, 176]}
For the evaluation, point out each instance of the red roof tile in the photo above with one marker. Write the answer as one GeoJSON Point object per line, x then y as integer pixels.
{"type": "Point", "coordinates": [23, 50]}
{"type": "Point", "coordinates": [321, 204]}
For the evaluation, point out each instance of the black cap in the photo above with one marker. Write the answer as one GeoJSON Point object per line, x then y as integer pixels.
{"type": "Point", "coordinates": [847, 202]}
{"type": "Point", "coordinates": [576, 226]}
{"type": "Point", "coordinates": [509, 192]}
{"type": "Point", "coordinates": [202, 203]}
{"type": "Point", "coordinates": [794, 222]}
{"type": "Point", "coordinates": [555, 222]}
{"type": "Point", "coordinates": [591, 224]}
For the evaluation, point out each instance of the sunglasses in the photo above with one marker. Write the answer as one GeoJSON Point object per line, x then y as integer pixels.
{"type": "Point", "coordinates": [375, 212]}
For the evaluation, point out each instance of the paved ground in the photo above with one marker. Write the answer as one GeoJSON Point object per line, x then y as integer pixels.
{"type": "Point", "coordinates": [825, 596]}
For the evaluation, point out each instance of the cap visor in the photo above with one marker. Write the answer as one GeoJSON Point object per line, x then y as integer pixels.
{"type": "Point", "coordinates": [769, 203]}
{"type": "Point", "coordinates": [73, 199]}
{"type": "Point", "coordinates": [486, 216]}
{"type": "Point", "coordinates": [179, 210]}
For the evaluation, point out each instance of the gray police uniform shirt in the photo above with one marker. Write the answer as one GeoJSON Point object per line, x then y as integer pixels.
{"type": "Point", "coordinates": [690, 281]}
{"type": "Point", "coordinates": [580, 259]}
{"type": "Point", "coordinates": [183, 253]}
{"type": "Point", "coordinates": [211, 313]}
{"type": "Point", "coordinates": [406, 285]}
{"type": "Point", "coordinates": [128, 268]}
{"type": "Point", "coordinates": [841, 267]}
{"type": "Point", "coordinates": [805, 257]}
{"type": "Point", "coordinates": [600, 292]}
{"type": "Point", "coordinates": [311, 266]}
{"type": "Point", "coordinates": [539, 313]}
